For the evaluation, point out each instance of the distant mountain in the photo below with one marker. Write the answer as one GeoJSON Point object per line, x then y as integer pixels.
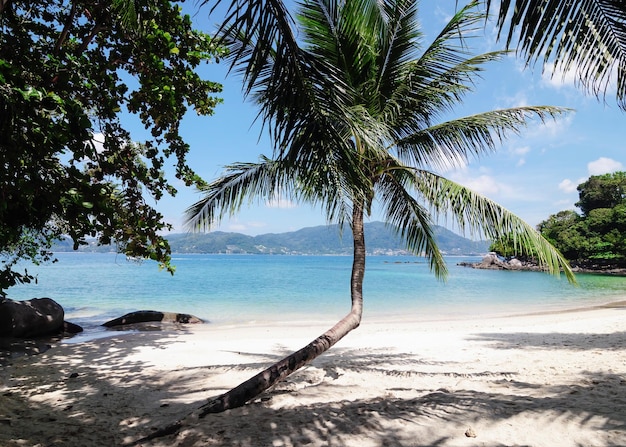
{"type": "Point", "coordinates": [320, 240]}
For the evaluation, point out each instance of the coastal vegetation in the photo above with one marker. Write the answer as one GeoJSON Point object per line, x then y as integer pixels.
{"type": "Point", "coordinates": [73, 76]}
{"type": "Point", "coordinates": [355, 104]}
{"type": "Point", "coordinates": [592, 239]}
{"type": "Point", "coordinates": [595, 237]}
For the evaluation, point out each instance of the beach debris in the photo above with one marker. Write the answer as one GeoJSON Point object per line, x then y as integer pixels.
{"type": "Point", "coordinates": [145, 316]}
{"type": "Point", "coordinates": [470, 433]}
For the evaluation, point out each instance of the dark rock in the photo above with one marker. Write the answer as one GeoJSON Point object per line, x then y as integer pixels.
{"type": "Point", "coordinates": [71, 328]}
{"type": "Point", "coordinates": [492, 261]}
{"type": "Point", "coordinates": [31, 318]}
{"type": "Point", "coordinates": [144, 316]}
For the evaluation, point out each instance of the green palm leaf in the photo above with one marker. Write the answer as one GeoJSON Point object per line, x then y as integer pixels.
{"type": "Point", "coordinates": [456, 141]}
{"type": "Point", "coordinates": [481, 216]}
{"type": "Point", "coordinates": [408, 217]}
{"type": "Point", "coordinates": [587, 36]}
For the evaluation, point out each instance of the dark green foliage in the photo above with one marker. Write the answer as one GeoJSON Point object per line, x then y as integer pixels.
{"type": "Point", "coordinates": [562, 230]}
{"type": "Point", "coordinates": [71, 70]}
{"type": "Point", "coordinates": [508, 247]}
{"type": "Point", "coordinates": [598, 236]}
{"type": "Point", "coordinates": [602, 191]}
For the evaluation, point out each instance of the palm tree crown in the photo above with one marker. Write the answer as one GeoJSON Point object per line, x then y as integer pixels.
{"type": "Point", "coordinates": [354, 103]}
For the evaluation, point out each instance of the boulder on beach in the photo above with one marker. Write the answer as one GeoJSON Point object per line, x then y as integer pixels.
{"type": "Point", "coordinates": [492, 261]}
{"type": "Point", "coordinates": [30, 318]}
{"type": "Point", "coordinates": [145, 316]}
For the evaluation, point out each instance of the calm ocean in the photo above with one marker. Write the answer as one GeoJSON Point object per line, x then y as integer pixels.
{"type": "Point", "coordinates": [237, 289]}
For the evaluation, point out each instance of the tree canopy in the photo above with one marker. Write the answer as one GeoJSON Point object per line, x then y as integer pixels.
{"type": "Point", "coordinates": [597, 236]}
{"type": "Point", "coordinates": [72, 74]}
{"type": "Point", "coordinates": [593, 239]}
{"type": "Point", "coordinates": [602, 191]}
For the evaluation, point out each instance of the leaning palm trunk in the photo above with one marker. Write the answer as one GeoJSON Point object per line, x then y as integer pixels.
{"type": "Point", "coordinates": [254, 386]}
{"type": "Point", "coordinates": [251, 388]}
{"type": "Point", "coordinates": [351, 103]}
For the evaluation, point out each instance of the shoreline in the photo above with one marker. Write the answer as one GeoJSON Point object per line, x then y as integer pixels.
{"type": "Point", "coordinates": [547, 379]}
{"type": "Point", "coordinates": [99, 332]}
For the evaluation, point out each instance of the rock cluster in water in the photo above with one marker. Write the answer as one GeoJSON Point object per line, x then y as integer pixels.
{"type": "Point", "coordinates": [492, 261]}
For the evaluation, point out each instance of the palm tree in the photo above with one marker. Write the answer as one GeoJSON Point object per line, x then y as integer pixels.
{"type": "Point", "coordinates": [587, 36]}
{"type": "Point", "coordinates": [353, 103]}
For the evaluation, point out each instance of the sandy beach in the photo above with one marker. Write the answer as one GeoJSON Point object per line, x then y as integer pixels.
{"type": "Point", "coordinates": [554, 379]}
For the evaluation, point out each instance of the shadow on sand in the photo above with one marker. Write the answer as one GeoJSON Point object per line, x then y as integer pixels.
{"type": "Point", "coordinates": [83, 397]}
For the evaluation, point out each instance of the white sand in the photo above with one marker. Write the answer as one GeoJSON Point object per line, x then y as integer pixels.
{"type": "Point", "coordinates": [543, 380]}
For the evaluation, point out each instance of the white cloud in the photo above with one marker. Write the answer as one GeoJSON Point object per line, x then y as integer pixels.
{"type": "Point", "coordinates": [281, 203]}
{"type": "Point", "coordinates": [98, 142]}
{"type": "Point", "coordinates": [237, 227]}
{"type": "Point", "coordinates": [568, 186]}
{"type": "Point", "coordinates": [517, 99]}
{"type": "Point", "coordinates": [483, 184]}
{"type": "Point", "coordinates": [521, 150]}
{"type": "Point", "coordinates": [555, 77]}
{"type": "Point", "coordinates": [447, 165]}
{"type": "Point", "coordinates": [603, 165]}
{"type": "Point", "coordinates": [244, 227]}
{"type": "Point", "coordinates": [548, 128]}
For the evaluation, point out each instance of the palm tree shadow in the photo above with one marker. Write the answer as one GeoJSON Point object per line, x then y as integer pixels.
{"type": "Point", "coordinates": [93, 400]}
{"type": "Point", "coordinates": [571, 341]}
{"type": "Point", "coordinates": [433, 419]}
{"type": "Point", "coordinates": [84, 396]}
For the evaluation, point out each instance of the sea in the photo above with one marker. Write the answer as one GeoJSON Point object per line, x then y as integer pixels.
{"type": "Point", "coordinates": [250, 289]}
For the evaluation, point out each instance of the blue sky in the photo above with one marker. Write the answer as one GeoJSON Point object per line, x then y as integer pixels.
{"type": "Point", "coordinates": [533, 175]}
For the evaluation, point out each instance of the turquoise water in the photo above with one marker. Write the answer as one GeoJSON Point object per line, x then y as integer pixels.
{"type": "Point", "coordinates": [229, 289]}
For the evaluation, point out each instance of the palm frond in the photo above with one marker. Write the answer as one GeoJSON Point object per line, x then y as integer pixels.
{"type": "Point", "coordinates": [460, 139]}
{"type": "Point", "coordinates": [438, 79]}
{"type": "Point", "coordinates": [400, 39]}
{"type": "Point", "coordinates": [410, 220]}
{"type": "Point", "coordinates": [241, 181]}
{"type": "Point", "coordinates": [481, 216]}
{"type": "Point", "coordinates": [587, 36]}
